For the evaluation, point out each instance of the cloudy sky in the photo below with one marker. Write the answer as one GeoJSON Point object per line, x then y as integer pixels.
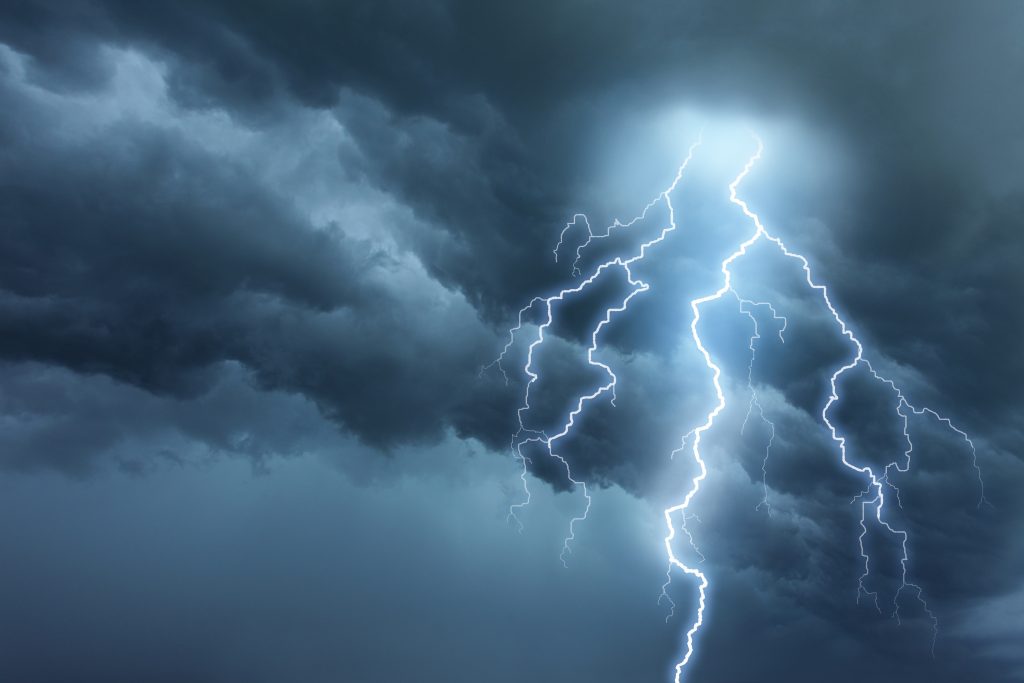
{"type": "Point", "coordinates": [255, 255]}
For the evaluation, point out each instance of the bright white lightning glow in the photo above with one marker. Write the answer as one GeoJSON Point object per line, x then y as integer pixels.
{"type": "Point", "coordinates": [698, 433]}
{"type": "Point", "coordinates": [872, 499]}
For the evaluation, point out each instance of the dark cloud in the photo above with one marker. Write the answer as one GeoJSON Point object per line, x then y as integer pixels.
{"type": "Point", "coordinates": [246, 229]}
{"type": "Point", "coordinates": [139, 254]}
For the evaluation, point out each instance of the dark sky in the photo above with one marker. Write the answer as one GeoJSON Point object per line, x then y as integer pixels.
{"type": "Point", "coordinates": [253, 256]}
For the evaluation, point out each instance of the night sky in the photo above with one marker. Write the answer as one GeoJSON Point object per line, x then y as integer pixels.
{"type": "Point", "coordinates": [255, 258]}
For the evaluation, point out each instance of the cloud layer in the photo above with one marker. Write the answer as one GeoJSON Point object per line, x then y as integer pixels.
{"type": "Point", "coordinates": [238, 229]}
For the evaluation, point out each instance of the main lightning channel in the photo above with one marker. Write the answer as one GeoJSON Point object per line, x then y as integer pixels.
{"type": "Point", "coordinates": [876, 484]}
{"type": "Point", "coordinates": [698, 433]}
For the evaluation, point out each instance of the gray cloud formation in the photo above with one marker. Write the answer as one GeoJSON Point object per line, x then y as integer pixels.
{"type": "Point", "coordinates": [224, 222]}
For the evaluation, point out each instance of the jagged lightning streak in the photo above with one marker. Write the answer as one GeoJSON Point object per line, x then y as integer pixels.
{"type": "Point", "coordinates": [525, 435]}
{"type": "Point", "coordinates": [872, 499]}
{"type": "Point", "coordinates": [878, 501]}
{"type": "Point", "coordinates": [876, 483]}
{"type": "Point", "coordinates": [698, 433]}
{"type": "Point", "coordinates": [746, 306]}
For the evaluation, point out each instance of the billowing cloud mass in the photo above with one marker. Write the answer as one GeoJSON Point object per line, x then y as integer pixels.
{"type": "Point", "coordinates": [284, 234]}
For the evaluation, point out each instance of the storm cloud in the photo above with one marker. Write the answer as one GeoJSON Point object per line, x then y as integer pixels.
{"type": "Point", "coordinates": [255, 233]}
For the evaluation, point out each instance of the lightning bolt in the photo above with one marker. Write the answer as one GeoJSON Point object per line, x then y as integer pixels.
{"type": "Point", "coordinates": [524, 435]}
{"type": "Point", "coordinates": [877, 484]}
{"type": "Point", "coordinates": [746, 307]}
{"type": "Point", "coordinates": [698, 433]}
